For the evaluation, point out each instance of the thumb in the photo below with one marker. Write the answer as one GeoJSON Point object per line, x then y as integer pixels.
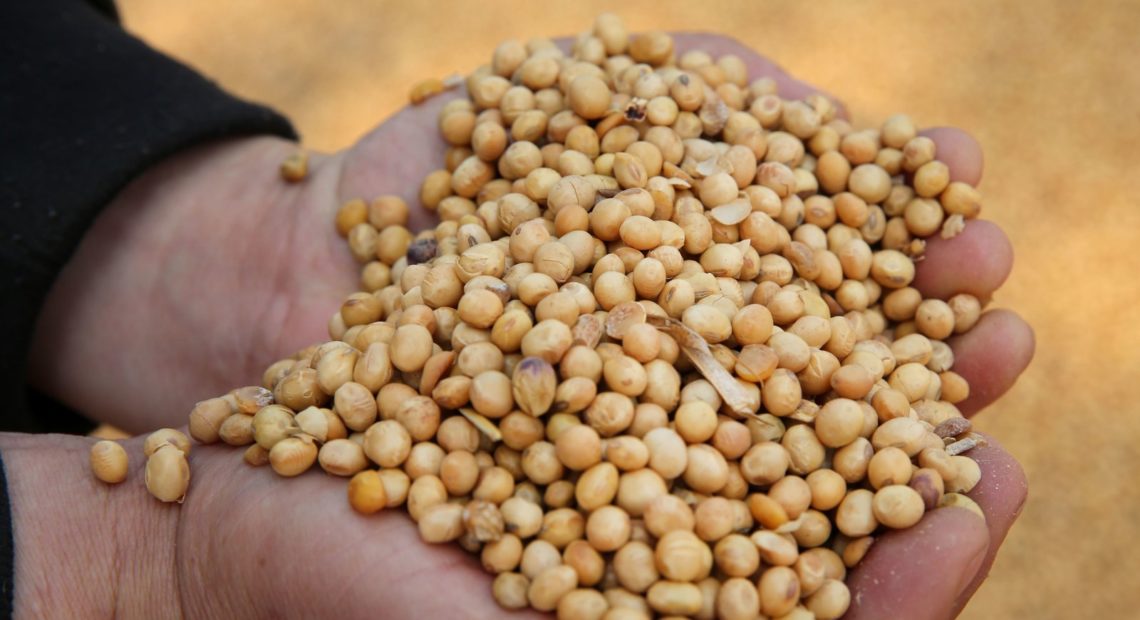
{"type": "Point", "coordinates": [395, 157]}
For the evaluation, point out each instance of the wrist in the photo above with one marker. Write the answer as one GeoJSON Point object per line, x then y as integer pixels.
{"type": "Point", "coordinates": [84, 548]}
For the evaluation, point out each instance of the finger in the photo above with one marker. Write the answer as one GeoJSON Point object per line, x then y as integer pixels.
{"type": "Point", "coordinates": [959, 151]}
{"type": "Point", "coordinates": [931, 570]}
{"type": "Point", "coordinates": [976, 261]}
{"type": "Point", "coordinates": [991, 357]}
{"type": "Point", "coordinates": [918, 573]}
{"type": "Point", "coordinates": [979, 259]}
{"type": "Point", "coordinates": [758, 66]}
{"type": "Point", "coordinates": [1001, 494]}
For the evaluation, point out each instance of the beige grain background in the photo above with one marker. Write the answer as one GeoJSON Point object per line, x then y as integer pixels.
{"type": "Point", "coordinates": [1049, 87]}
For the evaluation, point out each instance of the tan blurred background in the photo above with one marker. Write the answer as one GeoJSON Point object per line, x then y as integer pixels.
{"type": "Point", "coordinates": [1051, 90]}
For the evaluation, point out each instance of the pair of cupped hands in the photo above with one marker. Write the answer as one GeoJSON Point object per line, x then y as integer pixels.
{"type": "Point", "coordinates": [208, 267]}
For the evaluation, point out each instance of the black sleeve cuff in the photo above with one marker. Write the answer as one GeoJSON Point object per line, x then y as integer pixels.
{"type": "Point", "coordinates": [84, 108]}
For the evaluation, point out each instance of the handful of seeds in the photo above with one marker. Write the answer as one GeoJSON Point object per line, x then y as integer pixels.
{"type": "Point", "coordinates": [660, 356]}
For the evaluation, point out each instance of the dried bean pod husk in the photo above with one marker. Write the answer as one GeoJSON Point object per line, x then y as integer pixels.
{"type": "Point", "coordinates": [485, 426]}
{"type": "Point", "coordinates": [697, 351]}
{"type": "Point", "coordinates": [963, 445]}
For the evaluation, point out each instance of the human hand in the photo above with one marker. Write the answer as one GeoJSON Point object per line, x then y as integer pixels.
{"type": "Point", "coordinates": [244, 544]}
{"type": "Point", "coordinates": [946, 557]}
{"type": "Point", "coordinates": [197, 276]}
{"type": "Point", "coordinates": [291, 288]}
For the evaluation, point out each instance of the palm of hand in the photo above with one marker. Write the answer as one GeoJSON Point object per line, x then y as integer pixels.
{"type": "Point", "coordinates": [207, 268]}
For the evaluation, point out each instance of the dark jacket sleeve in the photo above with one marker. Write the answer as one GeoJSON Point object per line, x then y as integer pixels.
{"type": "Point", "coordinates": [84, 108]}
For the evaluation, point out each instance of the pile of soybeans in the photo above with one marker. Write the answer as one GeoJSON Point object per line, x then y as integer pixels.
{"type": "Point", "coordinates": [659, 357]}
